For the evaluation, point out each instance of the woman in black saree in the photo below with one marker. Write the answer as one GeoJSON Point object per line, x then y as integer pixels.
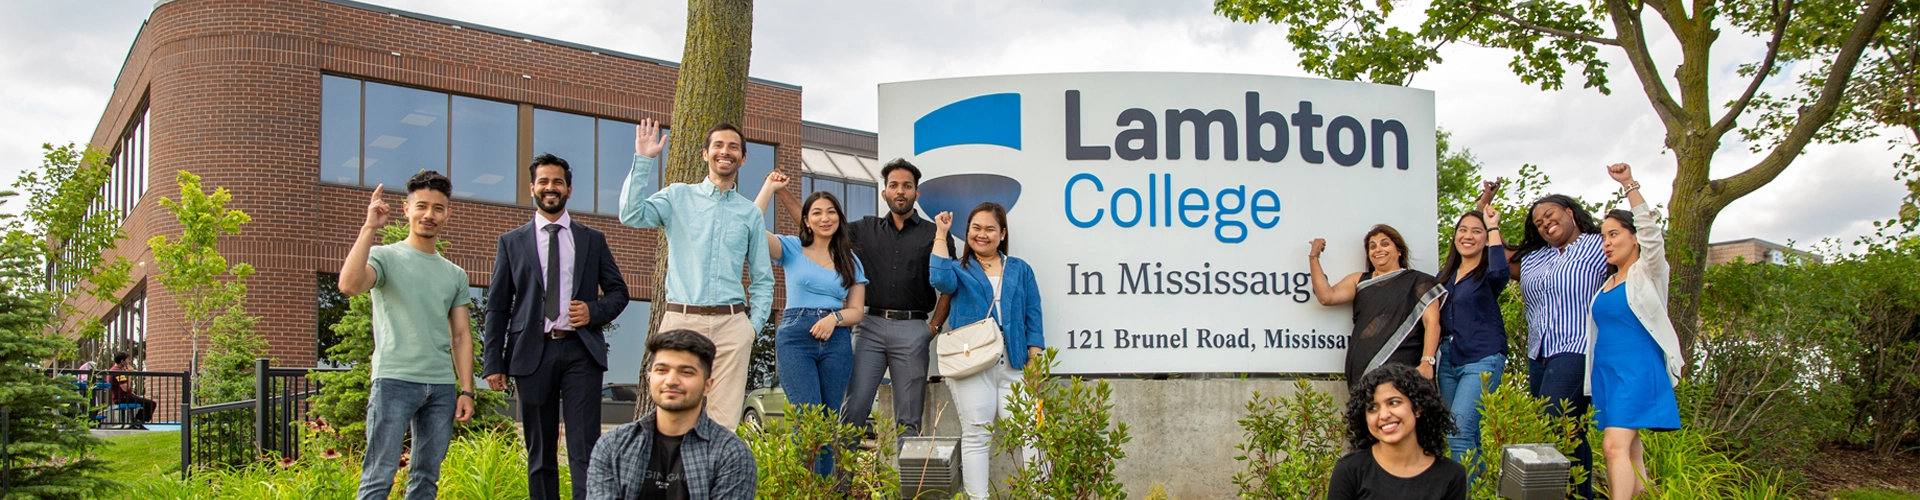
{"type": "Point", "coordinates": [1396, 310]}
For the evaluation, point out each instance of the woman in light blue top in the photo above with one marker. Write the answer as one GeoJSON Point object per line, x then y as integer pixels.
{"type": "Point", "coordinates": [826, 296]}
{"type": "Point", "coordinates": [985, 280]}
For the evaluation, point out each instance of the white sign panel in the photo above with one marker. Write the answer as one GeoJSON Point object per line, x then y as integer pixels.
{"type": "Point", "coordinates": [1167, 215]}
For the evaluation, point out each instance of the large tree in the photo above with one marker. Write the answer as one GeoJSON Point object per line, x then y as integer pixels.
{"type": "Point", "coordinates": [712, 89]}
{"type": "Point", "coordinates": [1351, 40]}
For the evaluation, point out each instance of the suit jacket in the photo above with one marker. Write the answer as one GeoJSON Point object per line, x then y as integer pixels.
{"type": "Point", "coordinates": [515, 339]}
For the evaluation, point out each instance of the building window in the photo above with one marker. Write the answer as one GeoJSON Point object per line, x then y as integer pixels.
{"type": "Point", "coordinates": [373, 133]}
{"type": "Point", "coordinates": [571, 137]}
{"type": "Point", "coordinates": [127, 183]}
{"type": "Point", "coordinates": [125, 330]}
{"type": "Point", "coordinates": [849, 178]}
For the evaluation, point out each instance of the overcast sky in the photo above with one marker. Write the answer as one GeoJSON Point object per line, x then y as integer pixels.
{"type": "Point", "coordinates": [61, 62]}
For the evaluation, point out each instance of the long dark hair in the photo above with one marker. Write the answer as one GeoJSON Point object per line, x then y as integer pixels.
{"type": "Point", "coordinates": [1625, 219]}
{"type": "Point", "coordinates": [1392, 234]}
{"type": "Point", "coordinates": [999, 214]}
{"type": "Point", "coordinates": [1432, 423]}
{"type": "Point", "coordinates": [839, 245]}
{"type": "Point", "coordinates": [1531, 239]}
{"type": "Point", "coordinates": [1453, 251]}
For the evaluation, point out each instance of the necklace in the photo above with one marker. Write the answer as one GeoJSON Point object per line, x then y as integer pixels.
{"type": "Point", "coordinates": [986, 265]}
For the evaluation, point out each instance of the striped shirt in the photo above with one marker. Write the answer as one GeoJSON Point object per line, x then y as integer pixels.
{"type": "Point", "coordinates": [1557, 287]}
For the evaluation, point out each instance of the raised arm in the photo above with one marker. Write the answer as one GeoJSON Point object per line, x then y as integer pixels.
{"type": "Point", "coordinates": [776, 183]}
{"type": "Point", "coordinates": [356, 276]}
{"type": "Point", "coordinates": [637, 210]}
{"type": "Point", "coordinates": [1646, 223]}
{"type": "Point", "coordinates": [760, 288]}
{"type": "Point", "coordinates": [940, 270]}
{"type": "Point", "coordinates": [1329, 295]}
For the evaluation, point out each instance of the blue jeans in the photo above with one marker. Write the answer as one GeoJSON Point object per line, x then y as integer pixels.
{"type": "Point", "coordinates": [813, 371]}
{"type": "Point", "coordinates": [1563, 377]}
{"type": "Point", "coordinates": [393, 406]}
{"type": "Point", "coordinates": [1461, 387]}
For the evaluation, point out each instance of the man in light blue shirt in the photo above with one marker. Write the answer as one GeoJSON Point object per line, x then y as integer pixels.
{"type": "Point", "coordinates": [711, 232]}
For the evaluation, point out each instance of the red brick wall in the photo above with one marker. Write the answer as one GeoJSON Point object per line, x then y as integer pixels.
{"type": "Point", "coordinates": [234, 88]}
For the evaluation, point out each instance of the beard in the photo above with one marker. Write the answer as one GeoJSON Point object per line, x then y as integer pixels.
{"type": "Point", "coordinates": [559, 204]}
{"type": "Point", "coordinates": [690, 402]}
{"type": "Point", "coordinates": [900, 208]}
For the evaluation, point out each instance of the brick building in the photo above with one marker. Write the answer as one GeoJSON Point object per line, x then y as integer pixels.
{"type": "Point", "coordinates": [1756, 251]}
{"type": "Point", "coordinates": [300, 107]}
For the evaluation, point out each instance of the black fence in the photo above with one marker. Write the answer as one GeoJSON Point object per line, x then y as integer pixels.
{"type": "Point", "coordinates": [145, 397]}
{"type": "Point", "coordinates": [235, 433]}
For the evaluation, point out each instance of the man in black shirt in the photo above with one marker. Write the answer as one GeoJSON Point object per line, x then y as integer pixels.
{"type": "Point", "coordinates": [674, 452]}
{"type": "Point", "coordinates": [903, 311]}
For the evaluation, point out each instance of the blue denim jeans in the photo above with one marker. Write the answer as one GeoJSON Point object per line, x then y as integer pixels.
{"type": "Point", "coordinates": [1461, 387]}
{"type": "Point", "coordinates": [813, 371]}
{"type": "Point", "coordinates": [392, 407]}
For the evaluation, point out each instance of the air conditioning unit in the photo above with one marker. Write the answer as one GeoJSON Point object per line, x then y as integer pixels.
{"type": "Point", "coordinates": [929, 467]}
{"type": "Point", "coordinates": [1533, 472]}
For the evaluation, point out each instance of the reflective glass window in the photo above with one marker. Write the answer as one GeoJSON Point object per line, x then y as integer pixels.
{"type": "Point", "coordinates": [862, 200]}
{"type": "Point", "coordinates": [339, 130]}
{"type": "Point", "coordinates": [753, 174]}
{"type": "Point", "coordinates": [627, 339]}
{"type": "Point", "coordinates": [616, 160]}
{"type": "Point", "coordinates": [570, 137]}
{"type": "Point", "coordinates": [485, 138]}
{"type": "Point", "coordinates": [406, 132]}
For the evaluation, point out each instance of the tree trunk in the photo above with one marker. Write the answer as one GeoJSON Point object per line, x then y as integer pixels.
{"type": "Point", "coordinates": [712, 89]}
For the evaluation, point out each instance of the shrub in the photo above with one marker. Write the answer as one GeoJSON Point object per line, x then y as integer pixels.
{"type": "Point", "coordinates": [786, 449]}
{"type": "Point", "coordinates": [1071, 426]}
{"type": "Point", "coordinates": [1509, 416]}
{"type": "Point", "coordinates": [1292, 444]}
{"type": "Point", "coordinates": [1689, 464]}
{"type": "Point", "coordinates": [480, 466]}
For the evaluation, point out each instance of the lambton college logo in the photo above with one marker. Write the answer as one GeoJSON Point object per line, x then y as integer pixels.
{"type": "Point", "coordinates": [990, 120]}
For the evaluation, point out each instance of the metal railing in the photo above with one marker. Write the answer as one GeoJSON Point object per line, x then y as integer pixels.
{"type": "Point", "coordinates": [238, 432]}
{"type": "Point", "coordinates": [168, 390]}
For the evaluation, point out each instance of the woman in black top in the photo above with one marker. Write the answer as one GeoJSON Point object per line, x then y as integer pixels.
{"type": "Point", "coordinates": [1397, 426]}
{"type": "Point", "coordinates": [1396, 313]}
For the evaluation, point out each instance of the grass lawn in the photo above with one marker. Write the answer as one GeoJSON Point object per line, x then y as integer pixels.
{"type": "Point", "coordinates": [142, 455]}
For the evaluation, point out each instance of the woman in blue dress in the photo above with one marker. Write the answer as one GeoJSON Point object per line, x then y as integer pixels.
{"type": "Point", "coordinates": [826, 296]}
{"type": "Point", "coordinates": [1636, 353]}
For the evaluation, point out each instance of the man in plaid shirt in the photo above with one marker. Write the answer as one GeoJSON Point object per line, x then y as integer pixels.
{"type": "Point", "coordinates": [674, 452]}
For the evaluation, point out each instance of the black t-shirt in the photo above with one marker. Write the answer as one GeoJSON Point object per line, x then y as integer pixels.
{"type": "Point", "coordinates": [666, 476]}
{"type": "Point", "coordinates": [1358, 476]}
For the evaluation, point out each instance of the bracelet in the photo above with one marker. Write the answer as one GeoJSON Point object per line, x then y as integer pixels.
{"type": "Point", "coordinates": [1631, 187]}
{"type": "Point", "coordinates": [468, 394]}
{"type": "Point", "coordinates": [838, 319]}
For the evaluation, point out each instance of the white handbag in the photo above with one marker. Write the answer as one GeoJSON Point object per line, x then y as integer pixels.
{"type": "Point", "coordinates": [970, 349]}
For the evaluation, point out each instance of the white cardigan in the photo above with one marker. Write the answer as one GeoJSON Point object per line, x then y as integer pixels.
{"type": "Point", "coordinates": [1647, 286]}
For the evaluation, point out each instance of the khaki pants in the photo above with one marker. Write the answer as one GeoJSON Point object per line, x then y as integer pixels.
{"type": "Point", "coordinates": [732, 337]}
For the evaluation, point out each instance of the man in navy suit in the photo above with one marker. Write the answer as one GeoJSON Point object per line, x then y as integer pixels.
{"type": "Point", "coordinates": [555, 285]}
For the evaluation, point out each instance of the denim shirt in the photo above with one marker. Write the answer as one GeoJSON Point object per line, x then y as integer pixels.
{"type": "Point", "coordinates": [1470, 317]}
{"type": "Point", "coordinates": [1019, 311]}
{"type": "Point", "coordinates": [718, 463]}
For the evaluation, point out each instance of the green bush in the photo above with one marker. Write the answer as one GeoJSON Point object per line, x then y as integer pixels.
{"type": "Point", "coordinates": [1509, 416]}
{"type": "Point", "coordinates": [1292, 444]}
{"type": "Point", "coordinates": [1070, 425]}
{"type": "Point", "coordinates": [786, 449]}
{"type": "Point", "coordinates": [1690, 464]}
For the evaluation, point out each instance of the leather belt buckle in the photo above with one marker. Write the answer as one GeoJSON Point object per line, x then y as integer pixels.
{"type": "Point", "coordinates": [897, 315]}
{"type": "Point", "coordinates": [559, 334]}
{"type": "Point", "coordinates": [722, 310]}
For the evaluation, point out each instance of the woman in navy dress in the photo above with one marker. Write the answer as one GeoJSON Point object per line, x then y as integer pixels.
{"type": "Point", "coordinates": [1636, 353]}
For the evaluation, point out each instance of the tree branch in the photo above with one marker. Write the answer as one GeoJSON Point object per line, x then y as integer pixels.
{"type": "Point", "coordinates": [1509, 17]}
{"type": "Point", "coordinates": [1724, 191]}
{"type": "Point", "coordinates": [1781, 15]}
{"type": "Point", "coordinates": [1632, 36]}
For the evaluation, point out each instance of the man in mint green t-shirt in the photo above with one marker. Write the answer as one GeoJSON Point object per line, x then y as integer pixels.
{"type": "Point", "coordinates": [422, 350]}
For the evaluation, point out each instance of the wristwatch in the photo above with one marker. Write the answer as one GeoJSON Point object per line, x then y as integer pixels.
{"type": "Point", "coordinates": [837, 318]}
{"type": "Point", "coordinates": [468, 394]}
{"type": "Point", "coordinates": [1430, 360]}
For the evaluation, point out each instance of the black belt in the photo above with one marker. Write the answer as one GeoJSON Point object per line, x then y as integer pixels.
{"type": "Point", "coordinates": [559, 334]}
{"type": "Point", "coordinates": [725, 310]}
{"type": "Point", "coordinates": [897, 315]}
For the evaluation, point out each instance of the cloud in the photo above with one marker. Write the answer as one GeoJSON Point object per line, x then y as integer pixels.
{"type": "Point", "coordinates": [840, 51]}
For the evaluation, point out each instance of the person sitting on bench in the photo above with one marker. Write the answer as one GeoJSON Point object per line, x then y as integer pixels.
{"type": "Point", "coordinates": [121, 391]}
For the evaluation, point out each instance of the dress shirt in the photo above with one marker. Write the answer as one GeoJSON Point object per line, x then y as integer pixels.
{"type": "Point", "coordinates": [1558, 288]}
{"type": "Point", "coordinates": [711, 233]}
{"type": "Point", "coordinates": [895, 259]}
{"type": "Point", "coordinates": [566, 264]}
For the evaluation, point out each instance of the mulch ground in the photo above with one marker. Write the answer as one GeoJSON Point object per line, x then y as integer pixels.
{"type": "Point", "coordinates": [1841, 467]}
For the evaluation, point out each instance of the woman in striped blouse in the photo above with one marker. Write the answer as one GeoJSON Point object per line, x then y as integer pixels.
{"type": "Point", "coordinates": [1561, 267]}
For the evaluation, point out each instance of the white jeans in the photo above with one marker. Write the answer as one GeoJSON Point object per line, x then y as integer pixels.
{"type": "Point", "coordinates": [980, 398]}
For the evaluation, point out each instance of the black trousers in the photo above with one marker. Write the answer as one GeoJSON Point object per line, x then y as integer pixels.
{"type": "Point", "coordinates": [567, 382]}
{"type": "Point", "coordinates": [1563, 377]}
{"type": "Point", "coordinates": [145, 413]}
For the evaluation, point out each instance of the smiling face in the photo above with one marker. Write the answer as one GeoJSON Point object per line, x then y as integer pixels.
{"type": "Point", "coordinates": [1382, 253]}
{"type": "Point", "coordinates": [1470, 236]}
{"type": "Point", "coordinates": [822, 218]}
{"type": "Point", "coordinates": [676, 381]}
{"type": "Point", "coordinates": [549, 188]}
{"type": "Point", "coordinates": [426, 212]}
{"type": "Point", "coordinates": [1619, 243]}
{"type": "Point", "coordinates": [1391, 416]}
{"type": "Point", "coordinates": [724, 153]}
{"type": "Point", "coordinates": [984, 233]}
{"type": "Point", "coordinates": [1554, 222]}
{"type": "Point", "coordinates": [901, 192]}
